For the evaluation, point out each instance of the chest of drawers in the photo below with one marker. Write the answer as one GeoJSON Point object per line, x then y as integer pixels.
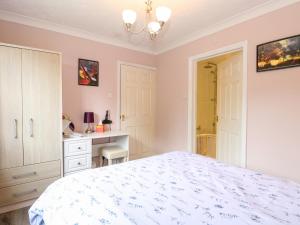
{"type": "Point", "coordinates": [77, 155]}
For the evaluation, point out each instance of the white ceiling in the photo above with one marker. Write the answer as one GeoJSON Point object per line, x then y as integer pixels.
{"type": "Point", "coordinates": [101, 19]}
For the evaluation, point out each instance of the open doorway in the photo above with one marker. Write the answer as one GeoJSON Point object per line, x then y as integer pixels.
{"type": "Point", "coordinates": [218, 99]}
{"type": "Point", "coordinates": [206, 108]}
{"type": "Point", "coordinates": [218, 110]}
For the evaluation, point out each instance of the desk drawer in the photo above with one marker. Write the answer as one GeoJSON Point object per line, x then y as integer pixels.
{"type": "Point", "coordinates": [25, 174]}
{"type": "Point", "coordinates": [77, 147]}
{"type": "Point", "coordinates": [23, 192]}
{"type": "Point", "coordinates": [76, 163]}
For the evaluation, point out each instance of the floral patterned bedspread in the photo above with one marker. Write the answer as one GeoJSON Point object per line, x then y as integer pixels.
{"type": "Point", "coordinates": [174, 188]}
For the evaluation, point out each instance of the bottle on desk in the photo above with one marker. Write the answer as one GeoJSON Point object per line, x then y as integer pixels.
{"type": "Point", "coordinates": [107, 121]}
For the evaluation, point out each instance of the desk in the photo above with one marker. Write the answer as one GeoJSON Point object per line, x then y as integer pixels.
{"type": "Point", "coordinates": [80, 149]}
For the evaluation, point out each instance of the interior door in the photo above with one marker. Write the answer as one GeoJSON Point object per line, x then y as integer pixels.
{"type": "Point", "coordinates": [229, 110]}
{"type": "Point", "coordinates": [11, 149]}
{"type": "Point", "coordinates": [137, 108]}
{"type": "Point", "coordinates": [41, 106]}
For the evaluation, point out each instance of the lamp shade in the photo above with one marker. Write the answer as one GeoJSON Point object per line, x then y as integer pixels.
{"type": "Point", "coordinates": [88, 117]}
{"type": "Point", "coordinates": [163, 13]}
{"type": "Point", "coordinates": [129, 16]}
{"type": "Point", "coordinates": [153, 27]}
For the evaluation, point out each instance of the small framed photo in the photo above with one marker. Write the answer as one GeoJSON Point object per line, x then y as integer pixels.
{"type": "Point", "coordinates": [88, 72]}
{"type": "Point", "coordinates": [279, 54]}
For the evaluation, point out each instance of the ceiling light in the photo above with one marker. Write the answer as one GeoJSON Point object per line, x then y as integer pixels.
{"type": "Point", "coordinates": [163, 14]}
{"type": "Point", "coordinates": [151, 26]}
{"type": "Point", "coordinates": [129, 17]}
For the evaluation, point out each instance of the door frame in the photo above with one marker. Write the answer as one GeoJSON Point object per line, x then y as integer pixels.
{"type": "Point", "coordinates": [119, 64]}
{"type": "Point", "coordinates": [192, 93]}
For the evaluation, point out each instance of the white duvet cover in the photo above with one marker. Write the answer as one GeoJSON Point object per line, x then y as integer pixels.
{"type": "Point", "coordinates": [176, 188]}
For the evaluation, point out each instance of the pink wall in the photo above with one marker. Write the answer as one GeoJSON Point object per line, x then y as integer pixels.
{"type": "Point", "coordinates": [273, 136]}
{"type": "Point", "coordinates": [78, 99]}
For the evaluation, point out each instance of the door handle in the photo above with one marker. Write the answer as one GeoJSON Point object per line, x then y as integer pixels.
{"type": "Point", "coordinates": [31, 127]}
{"type": "Point", "coordinates": [122, 117]}
{"type": "Point", "coordinates": [16, 128]}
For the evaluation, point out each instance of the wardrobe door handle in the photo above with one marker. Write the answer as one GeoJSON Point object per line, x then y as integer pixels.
{"type": "Point", "coordinates": [31, 127]}
{"type": "Point", "coordinates": [25, 193]}
{"type": "Point", "coordinates": [16, 128]}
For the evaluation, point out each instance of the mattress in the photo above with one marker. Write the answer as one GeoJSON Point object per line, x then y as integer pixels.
{"type": "Point", "coordinates": [174, 188]}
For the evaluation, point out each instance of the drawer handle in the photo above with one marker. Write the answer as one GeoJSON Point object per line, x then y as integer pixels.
{"type": "Point", "coordinates": [79, 148]}
{"type": "Point", "coordinates": [25, 193]}
{"type": "Point", "coordinates": [24, 175]}
{"type": "Point", "coordinates": [78, 163]}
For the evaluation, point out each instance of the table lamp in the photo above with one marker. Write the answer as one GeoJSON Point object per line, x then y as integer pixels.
{"type": "Point", "coordinates": [89, 118]}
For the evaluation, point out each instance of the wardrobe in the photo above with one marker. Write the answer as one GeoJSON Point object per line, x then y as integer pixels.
{"type": "Point", "coordinates": [30, 124]}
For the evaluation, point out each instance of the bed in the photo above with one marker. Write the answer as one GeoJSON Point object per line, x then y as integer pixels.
{"type": "Point", "coordinates": [174, 188]}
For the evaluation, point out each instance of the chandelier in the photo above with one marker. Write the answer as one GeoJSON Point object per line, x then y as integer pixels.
{"type": "Point", "coordinates": [152, 26]}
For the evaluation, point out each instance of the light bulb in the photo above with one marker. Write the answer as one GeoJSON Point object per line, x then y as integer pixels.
{"type": "Point", "coordinates": [129, 16]}
{"type": "Point", "coordinates": [153, 27]}
{"type": "Point", "coordinates": [163, 14]}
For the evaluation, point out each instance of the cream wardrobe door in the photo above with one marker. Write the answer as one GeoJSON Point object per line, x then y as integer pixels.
{"type": "Point", "coordinates": [41, 106]}
{"type": "Point", "coordinates": [11, 149]}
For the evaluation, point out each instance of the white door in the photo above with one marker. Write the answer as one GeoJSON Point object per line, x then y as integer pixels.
{"type": "Point", "coordinates": [229, 110]}
{"type": "Point", "coordinates": [11, 149]}
{"type": "Point", "coordinates": [137, 108]}
{"type": "Point", "coordinates": [41, 106]}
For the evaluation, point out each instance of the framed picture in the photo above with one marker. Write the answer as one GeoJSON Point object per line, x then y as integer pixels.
{"type": "Point", "coordinates": [88, 72]}
{"type": "Point", "coordinates": [279, 54]}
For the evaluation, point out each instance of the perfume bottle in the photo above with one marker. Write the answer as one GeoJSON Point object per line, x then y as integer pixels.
{"type": "Point", "coordinates": [107, 121]}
